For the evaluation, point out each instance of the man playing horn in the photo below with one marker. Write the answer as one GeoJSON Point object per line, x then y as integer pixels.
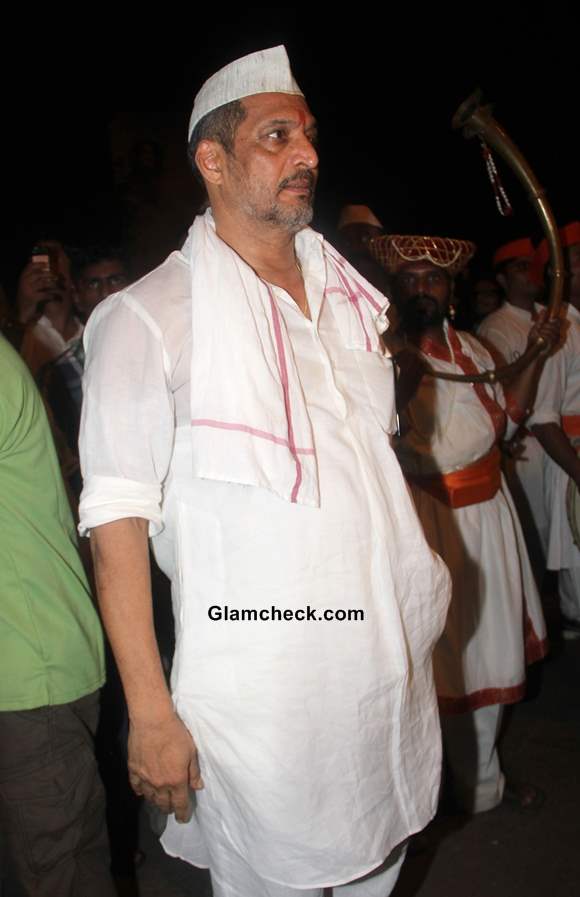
{"type": "Point", "coordinates": [556, 424]}
{"type": "Point", "coordinates": [237, 409]}
{"type": "Point", "coordinates": [506, 331]}
{"type": "Point", "coordinates": [448, 448]}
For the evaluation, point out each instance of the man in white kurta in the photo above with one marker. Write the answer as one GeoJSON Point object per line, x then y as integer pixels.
{"type": "Point", "coordinates": [506, 330]}
{"type": "Point", "coordinates": [245, 420]}
{"type": "Point", "coordinates": [448, 451]}
{"type": "Point", "coordinates": [556, 424]}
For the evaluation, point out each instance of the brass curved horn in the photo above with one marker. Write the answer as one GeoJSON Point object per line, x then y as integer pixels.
{"type": "Point", "coordinates": [476, 120]}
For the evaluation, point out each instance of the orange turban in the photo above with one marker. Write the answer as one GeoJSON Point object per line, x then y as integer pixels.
{"type": "Point", "coordinates": [517, 249]}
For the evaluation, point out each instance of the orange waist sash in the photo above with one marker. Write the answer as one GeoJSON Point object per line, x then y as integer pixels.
{"type": "Point", "coordinates": [473, 484]}
{"type": "Point", "coordinates": [571, 424]}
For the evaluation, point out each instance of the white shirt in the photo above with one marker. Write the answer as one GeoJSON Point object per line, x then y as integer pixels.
{"type": "Point", "coordinates": [558, 396]}
{"type": "Point", "coordinates": [559, 388]}
{"type": "Point", "coordinates": [449, 428]}
{"type": "Point", "coordinates": [318, 741]}
{"type": "Point", "coordinates": [507, 329]}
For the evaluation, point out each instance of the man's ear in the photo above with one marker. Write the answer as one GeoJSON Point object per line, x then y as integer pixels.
{"type": "Point", "coordinates": [502, 280]}
{"type": "Point", "coordinates": [209, 160]}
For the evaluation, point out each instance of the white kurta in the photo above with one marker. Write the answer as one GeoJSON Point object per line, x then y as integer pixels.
{"type": "Point", "coordinates": [558, 396]}
{"type": "Point", "coordinates": [319, 741]}
{"type": "Point", "coordinates": [507, 331]}
{"type": "Point", "coordinates": [480, 659]}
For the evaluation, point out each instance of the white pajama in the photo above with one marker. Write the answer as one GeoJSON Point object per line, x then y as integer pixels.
{"type": "Point", "coordinates": [232, 876]}
{"type": "Point", "coordinates": [569, 590]}
{"type": "Point", "coordinates": [470, 742]}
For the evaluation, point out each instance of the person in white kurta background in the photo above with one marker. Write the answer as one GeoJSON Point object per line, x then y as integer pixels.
{"type": "Point", "coordinates": [238, 406]}
{"type": "Point", "coordinates": [556, 424]}
{"type": "Point", "coordinates": [506, 331]}
{"type": "Point", "coordinates": [448, 451]}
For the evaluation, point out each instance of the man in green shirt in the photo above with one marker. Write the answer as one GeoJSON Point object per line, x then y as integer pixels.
{"type": "Point", "coordinates": [52, 826]}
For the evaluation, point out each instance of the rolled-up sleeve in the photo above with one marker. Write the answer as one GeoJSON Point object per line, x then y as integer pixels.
{"type": "Point", "coordinates": [127, 424]}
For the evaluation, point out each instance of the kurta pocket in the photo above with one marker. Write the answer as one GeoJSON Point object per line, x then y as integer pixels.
{"type": "Point", "coordinates": [378, 377]}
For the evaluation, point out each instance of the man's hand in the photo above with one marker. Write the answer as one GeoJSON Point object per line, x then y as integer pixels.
{"type": "Point", "coordinates": [515, 449]}
{"type": "Point", "coordinates": [163, 765]}
{"type": "Point", "coordinates": [35, 286]}
{"type": "Point", "coordinates": [546, 332]}
{"type": "Point", "coordinates": [411, 368]}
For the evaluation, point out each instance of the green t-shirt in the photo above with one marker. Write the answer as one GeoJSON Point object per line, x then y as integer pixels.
{"type": "Point", "coordinates": [51, 645]}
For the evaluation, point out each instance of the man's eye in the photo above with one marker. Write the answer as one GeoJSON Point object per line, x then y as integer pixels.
{"type": "Point", "coordinates": [278, 134]}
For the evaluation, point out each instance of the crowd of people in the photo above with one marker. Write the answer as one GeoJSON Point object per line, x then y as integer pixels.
{"type": "Point", "coordinates": [347, 529]}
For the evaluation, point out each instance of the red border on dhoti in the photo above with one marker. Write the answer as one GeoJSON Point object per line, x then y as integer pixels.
{"type": "Point", "coordinates": [534, 648]}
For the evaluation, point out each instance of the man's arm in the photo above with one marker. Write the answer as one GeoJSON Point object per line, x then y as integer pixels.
{"type": "Point", "coordinates": [162, 755]}
{"type": "Point", "coordinates": [553, 439]}
{"type": "Point", "coordinates": [521, 390]}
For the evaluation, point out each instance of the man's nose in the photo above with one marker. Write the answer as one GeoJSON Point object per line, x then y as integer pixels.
{"type": "Point", "coordinates": [421, 284]}
{"type": "Point", "coordinates": [305, 152]}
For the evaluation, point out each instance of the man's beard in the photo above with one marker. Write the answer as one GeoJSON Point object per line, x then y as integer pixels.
{"type": "Point", "coordinates": [289, 218]}
{"type": "Point", "coordinates": [420, 312]}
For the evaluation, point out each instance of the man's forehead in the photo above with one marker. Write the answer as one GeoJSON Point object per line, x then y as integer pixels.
{"type": "Point", "coordinates": [419, 267]}
{"type": "Point", "coordinates": [103, 266]}
{"type": "Point", "coordinates": [279, 107]}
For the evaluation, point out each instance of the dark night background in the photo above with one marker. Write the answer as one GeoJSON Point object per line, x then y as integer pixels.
{"type": "Point", "coordinates": [383, 86]}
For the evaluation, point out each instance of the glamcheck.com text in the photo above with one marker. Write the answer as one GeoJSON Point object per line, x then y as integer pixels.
{"type": "Point", "coordinates": [269, 614]}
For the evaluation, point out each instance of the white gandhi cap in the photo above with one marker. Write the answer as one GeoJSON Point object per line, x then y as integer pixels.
{"type": "Point", "coordinates": [267, 71]}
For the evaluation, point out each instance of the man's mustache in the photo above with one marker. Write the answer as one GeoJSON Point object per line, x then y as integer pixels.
{"type": "Point", "coordinates": [305, 178]}
{"type": "Point", "coordinates": [421, 299]}
{"type": "Point", "coordinates": [419, 311]}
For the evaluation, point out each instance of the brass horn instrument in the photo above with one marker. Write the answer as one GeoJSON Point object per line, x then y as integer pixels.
{"type": "Point", "coordinates": [476, 120]}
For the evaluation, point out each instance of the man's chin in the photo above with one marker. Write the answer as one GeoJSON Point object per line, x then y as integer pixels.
{"type": "Point", "coordinates": [420, 323]}
{"type": "Point", "coordinates": [292, 217]}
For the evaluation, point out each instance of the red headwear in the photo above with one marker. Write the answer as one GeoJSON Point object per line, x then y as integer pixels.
{"type": "Point", "coordinates": [517, 249]}
{"type": "Point", "coordinates": [570, 234]}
